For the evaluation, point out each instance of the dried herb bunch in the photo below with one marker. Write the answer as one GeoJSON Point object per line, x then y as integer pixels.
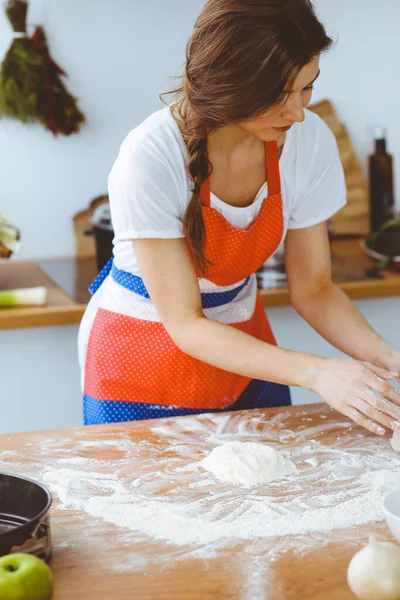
{"type": "Point", "coordinates": [31, 85]}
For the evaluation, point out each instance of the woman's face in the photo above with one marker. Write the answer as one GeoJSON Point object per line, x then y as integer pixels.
{"type": "Point", "coordinates": [273, 125]}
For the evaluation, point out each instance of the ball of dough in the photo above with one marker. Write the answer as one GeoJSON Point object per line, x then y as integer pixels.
{"type": "Point", "coordinates": [247, 463]}
{"type": "Point", "coordinates": [395, 441]}
{"type": "Point", "coordinates": [374, 572]}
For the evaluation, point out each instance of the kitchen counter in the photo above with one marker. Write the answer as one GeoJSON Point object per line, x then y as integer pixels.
{"type": "Point", "coordinates": [68, 280]}
{"type": "Point", "coordinates": [61, 309]}
{"type": "Point", "coordinates": [97, 556]}
{"type": "Point", "coordinates": [353, 272]}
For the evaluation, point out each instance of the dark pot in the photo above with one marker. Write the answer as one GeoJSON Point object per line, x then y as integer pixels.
{"type": "Point", "coordinates": [24, 517]}
{"type": "Point", "coordinates": [103, 234]}
{"type": "Point", "coordinates": [103, 237]}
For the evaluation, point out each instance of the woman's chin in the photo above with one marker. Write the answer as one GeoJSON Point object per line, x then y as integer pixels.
{"type": "Point", "coordinates": [272, 135]}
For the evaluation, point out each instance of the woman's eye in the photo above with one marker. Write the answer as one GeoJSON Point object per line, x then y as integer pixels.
{"type": "Point", "coordinates": [309, 88]}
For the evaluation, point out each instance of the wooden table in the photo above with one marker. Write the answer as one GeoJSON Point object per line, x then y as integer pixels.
{"type": "Point", "coordinates": [68, 280]}
{"type": "Point", "coordinates": [95, 560]}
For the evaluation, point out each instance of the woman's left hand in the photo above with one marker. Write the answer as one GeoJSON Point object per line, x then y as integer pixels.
{"type": "Point", "coordinates": [392, 361]}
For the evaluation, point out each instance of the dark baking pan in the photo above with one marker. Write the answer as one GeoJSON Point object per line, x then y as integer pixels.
{"type": "Point", "coordinates": [24, 516]}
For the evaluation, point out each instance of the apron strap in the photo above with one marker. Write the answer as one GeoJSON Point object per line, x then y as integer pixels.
{"type": "Point", "coordinates": [272, 167]}
{"type": "Point", "coordinates": [101, 276]}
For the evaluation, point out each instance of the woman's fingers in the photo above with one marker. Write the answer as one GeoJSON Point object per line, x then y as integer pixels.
{"type": "Point", "coordinates": [383, 387]}
{"type": "Point", "coordinates": [380, 403]}
{"type": "Point", "coordinates": [363, 405]}
{"type": "Point", "coordinates": [362, 420]}
{"type": "Point", "coordinates": [383, 373]}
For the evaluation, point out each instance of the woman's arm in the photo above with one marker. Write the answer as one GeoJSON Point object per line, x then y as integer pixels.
{"type": "Point", "coordinates": [168, 274]}
{"type": "Point", "coordinates": [324, 306]}
{"type": "Point", "coordinates": [169, 277]}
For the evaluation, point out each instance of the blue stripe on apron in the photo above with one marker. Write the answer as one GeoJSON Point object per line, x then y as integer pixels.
{"type": "Point", "coordinates": [258, 394]}
{"type": "Point", "coordinates": [135, 284]}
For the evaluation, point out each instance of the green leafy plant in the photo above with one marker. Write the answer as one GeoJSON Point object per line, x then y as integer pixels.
{"type": "Point", "coordinates": [386, 241]}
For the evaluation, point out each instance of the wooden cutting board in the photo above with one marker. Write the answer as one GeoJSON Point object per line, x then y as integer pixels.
{"type": "Point", "coordinates": [353, 219]}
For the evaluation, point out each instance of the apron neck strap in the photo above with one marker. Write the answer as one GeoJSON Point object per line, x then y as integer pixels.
{"type": "Point", "coordinates": [272, 168]}
{"type": "Point", "coordinates": [272, 172]}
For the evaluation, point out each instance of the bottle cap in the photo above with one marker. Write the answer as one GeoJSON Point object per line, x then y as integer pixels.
{"type": "Point", "coordinates": [379, 133]}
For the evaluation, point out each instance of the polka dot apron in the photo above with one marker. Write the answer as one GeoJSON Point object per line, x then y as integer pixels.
{"type": "Point", "coordinates": [133, 369]}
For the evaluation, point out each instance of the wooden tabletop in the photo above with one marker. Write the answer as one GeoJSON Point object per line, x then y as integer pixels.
{"type": "Point", "coordinates": [96, 559]}
{"type": "Point", "coordinates": [68, 280]}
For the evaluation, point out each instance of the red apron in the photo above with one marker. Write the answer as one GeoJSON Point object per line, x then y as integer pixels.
{"type": "Point", "coordinates": [135, 361]}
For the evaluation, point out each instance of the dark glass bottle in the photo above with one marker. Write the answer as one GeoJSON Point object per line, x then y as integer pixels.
{"type": "Point", "coordinates": [381, 195]}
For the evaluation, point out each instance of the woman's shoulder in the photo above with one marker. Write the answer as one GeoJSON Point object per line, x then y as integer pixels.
{"type": "Point", "coordinates": [156, 139]}
{"type": "Point", "coordinates": [150, 168]}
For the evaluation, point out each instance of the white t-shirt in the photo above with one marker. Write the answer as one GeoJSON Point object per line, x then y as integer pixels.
{"type": "Point", "coordinates": [150, 187]}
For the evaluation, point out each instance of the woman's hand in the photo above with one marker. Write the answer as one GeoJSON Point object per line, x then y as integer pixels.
{"type": "Point", "coordinates": [392, 359]}
{"type": "Point", "coordinates": [360, 391]}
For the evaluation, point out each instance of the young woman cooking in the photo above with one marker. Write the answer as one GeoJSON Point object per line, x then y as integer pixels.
{"type": "Point", "coordinates": [202, 194]}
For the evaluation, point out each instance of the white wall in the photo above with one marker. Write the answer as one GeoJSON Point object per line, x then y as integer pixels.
{"type": "Point", "coordinates": [119, 55]}
{"type": "Point", "coordinates": [361, 73]}
{"type": "Point", "coordinates": [39, 376]}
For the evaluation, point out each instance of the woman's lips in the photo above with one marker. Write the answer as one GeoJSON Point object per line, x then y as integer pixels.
{"type": "Point", "coordinates": [283, 129]}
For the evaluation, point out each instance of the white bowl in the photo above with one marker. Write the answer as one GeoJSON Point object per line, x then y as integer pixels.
{"type": "Point", "coordinates": [391, 509]}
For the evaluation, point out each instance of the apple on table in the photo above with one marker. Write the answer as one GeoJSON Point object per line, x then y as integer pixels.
{"type": "Point", "coordinates": [25, 577]}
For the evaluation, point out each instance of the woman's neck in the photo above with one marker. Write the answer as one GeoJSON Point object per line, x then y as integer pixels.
{"type": "Point", "coordinates": [230, 141]}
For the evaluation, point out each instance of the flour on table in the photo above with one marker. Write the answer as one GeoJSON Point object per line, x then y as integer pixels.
{"type": "Point", "coordinates": [153, 487]}
{"type": "Point", "coordinates": [247, 463]}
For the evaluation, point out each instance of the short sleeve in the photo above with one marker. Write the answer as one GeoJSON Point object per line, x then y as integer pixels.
{"type": "Point", "coordinates": [144, 192]}
{"type": "Point", "coordinates": [322, 186]}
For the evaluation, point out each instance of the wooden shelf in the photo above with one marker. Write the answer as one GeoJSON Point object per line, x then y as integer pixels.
{"type": "Point", "coordinates": [61, 309]}
{"type": "Point", "coordinates": [68, 279]}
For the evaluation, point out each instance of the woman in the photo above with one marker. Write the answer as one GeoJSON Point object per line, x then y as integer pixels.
{"type": "Point", "coordinates": [202, 194]}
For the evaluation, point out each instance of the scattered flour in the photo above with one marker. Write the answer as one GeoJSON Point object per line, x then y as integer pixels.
{"type": "Point", "coordinates": [182, 524]}
{"type": "Point", "coordinates": [247, 463]}
{"type": "Point", "coordinates": [161, 491]}
{"type": "Point", "coordinates": [75, 460]}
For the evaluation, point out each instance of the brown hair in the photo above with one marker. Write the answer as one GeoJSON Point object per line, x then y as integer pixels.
{"type": "Point", "coordinates": [240, 58]}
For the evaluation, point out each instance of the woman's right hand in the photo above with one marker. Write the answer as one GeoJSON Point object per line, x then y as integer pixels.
{"type": "Point", "coordinates": [358, 390]}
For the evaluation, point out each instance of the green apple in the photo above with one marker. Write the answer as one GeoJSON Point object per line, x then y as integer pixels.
{"type": "Point", "coordinates": [25, 577]}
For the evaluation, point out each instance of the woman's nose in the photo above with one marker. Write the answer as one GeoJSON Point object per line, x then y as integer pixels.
{"type": "Point", "coordinates": [294, 111]}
